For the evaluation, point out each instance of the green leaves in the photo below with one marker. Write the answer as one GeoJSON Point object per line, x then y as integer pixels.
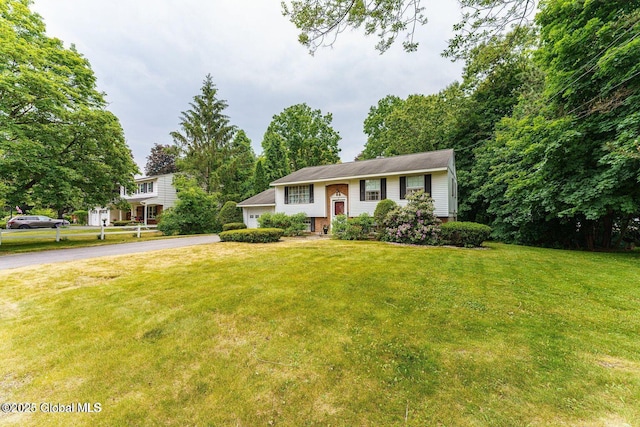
{"type": "Point", "coordinates": [299, 137]}
{"type": "Point", "coordinates": [59, 145]}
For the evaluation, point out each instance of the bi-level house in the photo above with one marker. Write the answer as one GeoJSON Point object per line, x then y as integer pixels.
{"type": "Point", "coordinates": [152, 195]}
{"type": "Point", "coordinates": [323, 192]}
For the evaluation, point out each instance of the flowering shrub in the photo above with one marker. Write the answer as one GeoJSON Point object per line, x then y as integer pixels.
{"type": "Point", "coordinates": [415, 223]}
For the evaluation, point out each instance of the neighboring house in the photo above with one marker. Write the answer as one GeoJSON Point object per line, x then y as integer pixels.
{"type": "Point", "coordinates": [323, 192]}
{"type": "Point", "coordinates": [153, 195]}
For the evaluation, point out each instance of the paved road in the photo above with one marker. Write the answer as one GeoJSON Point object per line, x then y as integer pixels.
{"type": "Point", "coordinates": [61, 255]}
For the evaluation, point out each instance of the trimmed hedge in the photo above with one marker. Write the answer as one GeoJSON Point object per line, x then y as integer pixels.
{"type": "Point", "coordinates": [234, 226]}
{"type": "Point", "coordinates": [123, 223]}
{"type": "Point", "coordinates": [467, 234]}
{"type": "Point", "coordinates": [252, 235]}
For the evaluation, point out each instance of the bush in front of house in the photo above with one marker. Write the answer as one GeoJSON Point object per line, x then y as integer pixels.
{"type": "Point", "coordinates": [466, 234]}
{"type": "Point", "coordinates": [414, 224]}
{"type": "Point", "coordinates": [234, 226]}
{"type": "Point", "coordinates": [195, 211]}
{"type": "Point", "coordinates": [358, 228]}
{"type": "Point", "coordinates": [252, 235]}
{"type": "Point", "coordinates": [293, 225]}
{"type": "Point", "coordinates": [230, 213]}
{"type": "Point", "coordinates": [382, 209]}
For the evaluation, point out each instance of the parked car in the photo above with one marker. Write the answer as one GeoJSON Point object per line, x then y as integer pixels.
{"type": "Point", "coordinates": [35, 221]}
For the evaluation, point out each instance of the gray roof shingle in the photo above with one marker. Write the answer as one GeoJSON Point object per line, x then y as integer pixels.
{"type": "Point", "coordinates": [266, 198]}
{"type": "Point", "coordinates": [430, 160]}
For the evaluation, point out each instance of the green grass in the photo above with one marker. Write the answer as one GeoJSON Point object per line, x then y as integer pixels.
{"type": "Point", "coordinates": [327, 333]}
{"type": "Point", "coordinates": [20, 243]}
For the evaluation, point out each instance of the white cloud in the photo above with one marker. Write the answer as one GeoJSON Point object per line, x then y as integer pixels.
{"type": "Point", "coordinates": [150, 58]}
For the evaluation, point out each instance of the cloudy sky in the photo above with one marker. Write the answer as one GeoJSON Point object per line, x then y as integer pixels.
{"type": "Point", "coordinates": [151, 56]}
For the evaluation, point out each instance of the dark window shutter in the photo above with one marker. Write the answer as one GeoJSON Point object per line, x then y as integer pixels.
{"type": "Point", "coordinates": [362, 190]}
{"type": "Point", "coordinates": [286, 195]}
{"type": "Point", "coordinates": [311, 194]}
{"type": "Point", "coordinates": [403, 187]}
{"type": "Point", "coordinates": [313, 224]}
{"type": "Point", "coordinates": [383, 188]}
{"type": "Point", "coordinates": [427, 184]}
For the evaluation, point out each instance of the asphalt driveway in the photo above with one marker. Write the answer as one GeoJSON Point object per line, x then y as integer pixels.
{"type": "Point", "coordinates": [61, 255]}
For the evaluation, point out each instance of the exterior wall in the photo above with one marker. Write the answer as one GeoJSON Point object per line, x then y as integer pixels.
{"type": "Point", "coordinates": [443, 190]}
{"type": "Point", "coordinates": [315, 209]}
{"type": "Point", "coordinates": [250, 214]}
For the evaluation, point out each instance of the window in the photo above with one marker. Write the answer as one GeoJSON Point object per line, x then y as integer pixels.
{"type": "Point", "coordinates": [150, 187]}
{"type": "Point", "coordinates": [373, 189]}
{"type": "Point", "coordinates": [414, 183]}
{"type": "Point", "coordinates": [298, 194]}
{"type": "Point", "coordinates": [152, 211]}
{"type": "Point", "coordinates": [411, 184]}
{"type": "Point", "coordinates": [453, 187]}
{"type": "Point", "coordinates": [145, 187]}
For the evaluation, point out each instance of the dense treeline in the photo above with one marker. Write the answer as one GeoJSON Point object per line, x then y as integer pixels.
{"type": "Point", "coordinates": [545, 125]}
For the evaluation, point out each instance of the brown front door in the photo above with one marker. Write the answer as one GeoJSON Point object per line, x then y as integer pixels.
{"type": "Point", "coordinates": [339, 208]}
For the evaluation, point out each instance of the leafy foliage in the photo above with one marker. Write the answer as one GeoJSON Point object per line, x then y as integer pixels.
{"type": "Point", "coordinates": [415, 223]}
{"type": "Point", "coordinates": [161, 160]}
{"type": "Point", "coordinates": [467, 234]}
{"type": "Point", "coordinates": [358, 228]}
{"type": "Point", "coordinates": [320, 22]}
{"type": "Point", "coordinates": [299, 137]}
{"type": "Point", "coordinates": [252, 235]}
{"type": "Point", "coordinates": [230, 213]}
{"type": "Point", "coordinates": [234, 226]}
{"type": "Point", "coordinates": [382, 209]}
{"type": "Point", "coordinates": [59, 146]}
{"type": "Point", "coordinates": [293, 225]}
{"type": "Point", "coordinates": [195, 212]}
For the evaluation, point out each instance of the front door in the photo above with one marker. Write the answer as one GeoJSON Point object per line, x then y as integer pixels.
{"type": "Point", "coordinates": [338, 208]}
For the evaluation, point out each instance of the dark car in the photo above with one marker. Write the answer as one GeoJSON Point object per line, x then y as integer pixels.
{"type": "Point", "coordinates": [35, 221]}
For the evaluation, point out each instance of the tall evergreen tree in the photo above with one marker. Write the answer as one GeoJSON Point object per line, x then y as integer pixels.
{"type": "Point", "coordinates": [276, 160]}
{"type": "Point", "coordinates": [205, 138]}
{"type": "Point", "coordinates": [236, 171]}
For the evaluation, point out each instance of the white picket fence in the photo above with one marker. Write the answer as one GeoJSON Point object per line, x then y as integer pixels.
{"type": "Point", "coordinates": [60, 232]}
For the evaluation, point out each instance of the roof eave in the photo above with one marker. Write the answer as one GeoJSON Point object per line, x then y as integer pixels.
{"type": "Point", "coordinates": [379, 175]}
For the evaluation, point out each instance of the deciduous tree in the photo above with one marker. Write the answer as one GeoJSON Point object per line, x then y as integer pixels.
{"type": "Point", "coordinates": [59, 146]}
{"type": "Point", "coordinates": [161, 160]}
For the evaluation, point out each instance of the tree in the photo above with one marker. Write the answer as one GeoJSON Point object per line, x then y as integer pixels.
{"type": "Point", "coordinates": [205, 137]}
{"type": "Point", "coordinates": [559, 175]}
{"type": "Point", "coordinates": [306, 136]}
{"type": "Point", "coordinates": [59, 146]}
{"type": "Point", "coordinates": [321, 21]}
{"type": "Point", "coordinates": [236, 171]}
{"type": "Point", "coordinates": [419, 123]}
{"type": "Point", "coordinates": [376, 125]}
{"type": "Point", "coordinates": [161, 160]}
{"type": "Point", "coordinates": [260, 178]}
{"type": "Point", "coordinates": [276, 161]}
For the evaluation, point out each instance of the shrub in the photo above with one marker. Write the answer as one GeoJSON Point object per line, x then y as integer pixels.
{"type": "Point", "coordinates": [234, 226]}
{"type": "Point", "coordinates": [230, 213]}
{"type": "Point", "coordinates": [252, 235]}
{"type": "Point", "coordinates": [3, 223]}
{"type": "Point", "coordinates": [195, 212]}
{"type": "Point", "coordinates": [467, 234]}
{"type": "Point", "coordinates": [123, 223]}
{"type": "Point", "coordinates": [293, 225]}
{"type": "Point", "coordinates": [358, 228]}
{"type": "Point", "coordinates": [81, 216]}
{"type": "Point", "coordinates": [382, 209]}
{"type": "Point", "coordinates": [415, 223]}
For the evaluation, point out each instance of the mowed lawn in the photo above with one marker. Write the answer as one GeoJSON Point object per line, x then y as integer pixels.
{"type": "Point", "coordinates": [303, 333]}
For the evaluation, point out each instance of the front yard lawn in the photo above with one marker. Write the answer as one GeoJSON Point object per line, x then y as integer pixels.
{"type": "Point", "coordinates": [326, 333]}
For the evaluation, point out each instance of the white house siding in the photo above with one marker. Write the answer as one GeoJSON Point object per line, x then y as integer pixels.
{"type": "Point", "coordinates": [439, 190]}
{"type": "Point", "coordinates": [453, 191]}
{"type": "Point", "coordinates": [315, 209]}
{"type": "Point", "coordinates": [167, 196]}
{"type": "Point", "coordinates": [251, 214]}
